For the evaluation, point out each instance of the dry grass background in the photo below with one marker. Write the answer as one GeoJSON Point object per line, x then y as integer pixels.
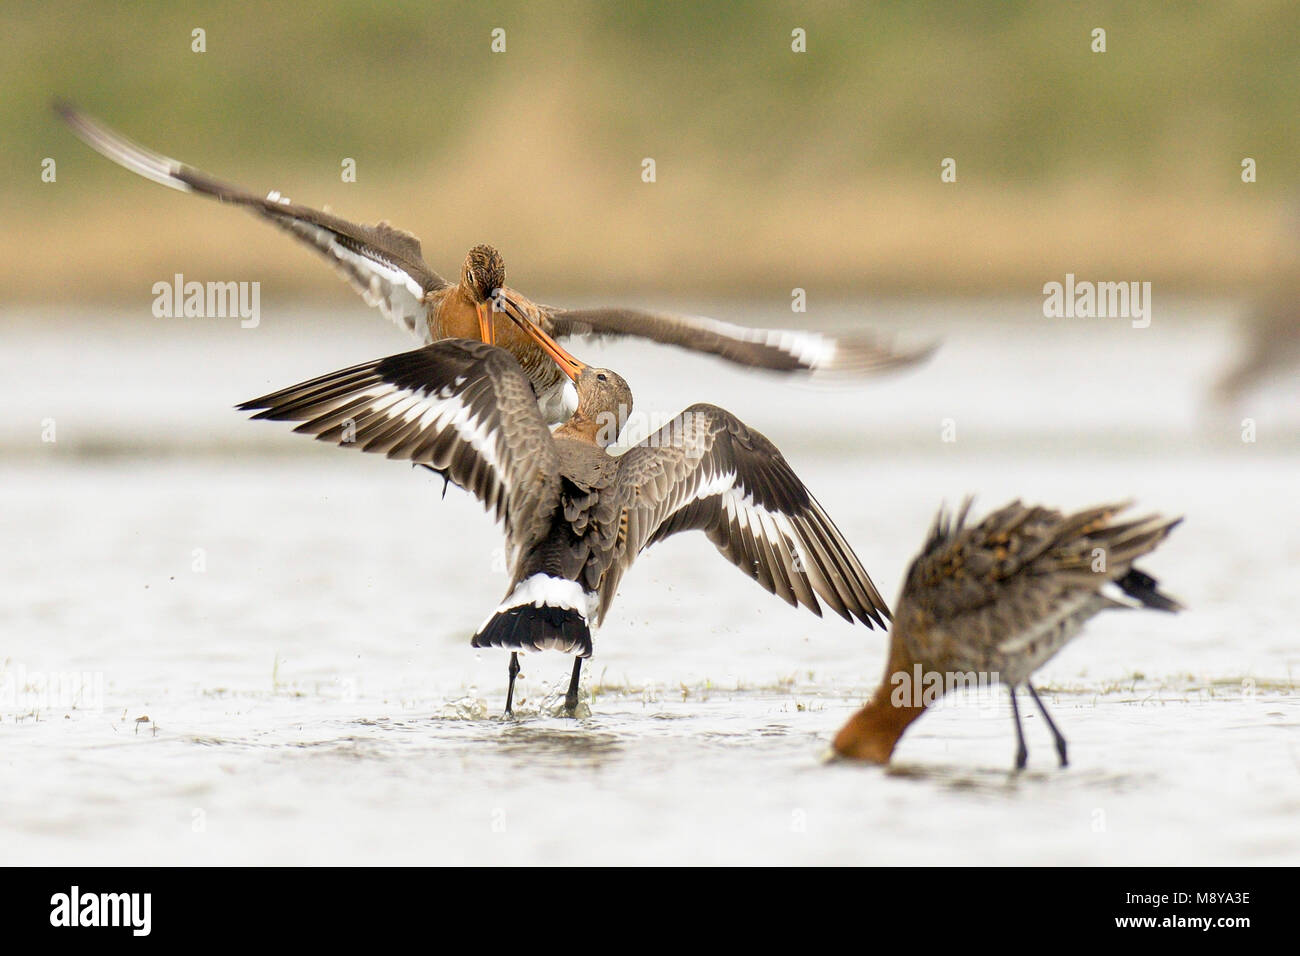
{"type": "Point", "coordinates": [775, 170]}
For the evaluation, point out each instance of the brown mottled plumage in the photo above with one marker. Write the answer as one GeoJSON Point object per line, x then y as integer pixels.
{"type": "Point", "coordinates": [999, 599]}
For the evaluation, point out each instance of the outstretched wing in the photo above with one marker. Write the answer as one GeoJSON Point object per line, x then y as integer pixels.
{"type": "Point", "coordinates": [463, 408]}
{"type": "Point", "coordinates": [384, 264]}
{"type": "Point", "coordinates": [775, 349]}
{"type": "Point", "coordinates": [707, 470]}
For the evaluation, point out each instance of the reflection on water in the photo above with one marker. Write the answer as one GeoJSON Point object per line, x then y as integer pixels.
{"type": "Point", "coordinates": [577, 746]}
{"type": "Point", "coordinates": [1006, 783]}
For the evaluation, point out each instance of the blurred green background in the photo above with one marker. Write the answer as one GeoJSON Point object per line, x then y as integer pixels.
{"type": "Point", "coordinates": [775, 169]}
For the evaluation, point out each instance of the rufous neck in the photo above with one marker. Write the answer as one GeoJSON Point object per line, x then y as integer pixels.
{"type": "Point", "coordinates": [873, 732]}
{"type": "Point", "coordinates": [580, 428]}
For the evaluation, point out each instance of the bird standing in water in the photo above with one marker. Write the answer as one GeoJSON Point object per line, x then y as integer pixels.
{"type": "Point", "coordinates": [998, 600]}
{"type": "Point", "coordinates": [386, 267]}
{"type": "Point", "coordinates": [576, 516]}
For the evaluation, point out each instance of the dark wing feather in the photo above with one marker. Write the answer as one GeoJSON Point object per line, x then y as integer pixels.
{"type": "Point", "coordinates": [383, 264]}
{"type": "Point", "coordinates": [462, 408]}
{"type": "Point", "coordinates": [706, 470]}
{"type": "Point", "coordinates": [775, 349]}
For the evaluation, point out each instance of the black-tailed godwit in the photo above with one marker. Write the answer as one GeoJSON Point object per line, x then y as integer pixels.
{"type": "Point", "coordinates": [576, 516]}
{"type": "Point", "coordinates": [386, 266]}
{"type": "Point", "coordinates": [999, 599]}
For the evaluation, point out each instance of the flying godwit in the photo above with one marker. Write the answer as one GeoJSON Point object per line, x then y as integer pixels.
{"type": "Point", "coordinates": [386, 266]}
{"type": "Point", "coordinates": [999, 599]}
{"type": "Point", "coordinates": [575, 516]}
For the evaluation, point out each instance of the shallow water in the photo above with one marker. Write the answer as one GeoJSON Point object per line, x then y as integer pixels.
{"type": "Point", "coordinates": [293, 621]}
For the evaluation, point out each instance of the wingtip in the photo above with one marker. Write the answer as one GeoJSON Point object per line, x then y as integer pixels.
{"type": "Point", "coordinates": [254, 405]}
{"type": "Point", "coordinates": [871, 356]}
{"type": "Point", "coordinates": [872, 615]}
{"type": "Point", "coordinates": [901, 357]}
{"type": "Point", "coordinates": [921, 353]}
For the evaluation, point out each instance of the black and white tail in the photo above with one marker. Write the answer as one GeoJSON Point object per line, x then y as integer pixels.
{"type": "Point", "coordinates": [1144, 588]}
{"type": "Point", "coordinates": [543, 612]}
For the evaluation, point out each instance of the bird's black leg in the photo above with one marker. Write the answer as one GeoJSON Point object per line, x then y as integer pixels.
{"type": "Point", "coordinates": [1022, 753]}
{"type": "Point", "coordinates": [513, 671]}
{"type": "Point", "coordinates": [1056, 734]}
{"type": "Point", "coordinates": [571, 698]}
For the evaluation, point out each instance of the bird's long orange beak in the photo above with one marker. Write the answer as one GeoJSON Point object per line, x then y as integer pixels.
{"type": "Point", "coordinates": [569, 365]}
{"type": "Point", "coordinates": [486, 331]}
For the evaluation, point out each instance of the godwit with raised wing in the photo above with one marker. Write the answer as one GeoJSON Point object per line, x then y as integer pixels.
{"type": "Point", "coordinates": [997, 600]}
{"type": "Point", "coordinates": [386, 266]}
{"type": "Point", "coordinates": [576, 516]}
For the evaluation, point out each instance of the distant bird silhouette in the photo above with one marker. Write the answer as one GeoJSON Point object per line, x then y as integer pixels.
{"type": "Point", "coordinates": [1270, 328]}
{"type": "Point", "coordinates": [1270, 341]}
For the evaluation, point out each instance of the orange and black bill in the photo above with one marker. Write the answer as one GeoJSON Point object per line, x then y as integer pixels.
{"type": "Point", "coordinates": [486, 331]}
{"type": "Point", "coordinates": [569, 365]}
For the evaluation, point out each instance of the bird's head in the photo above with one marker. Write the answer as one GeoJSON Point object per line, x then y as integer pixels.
{"type": "Point", "coordinates": [605, 398]}
{"type": "Point", "coordinates": [873, 732]}
{"type": "Point", "coordinates": [483, 273]}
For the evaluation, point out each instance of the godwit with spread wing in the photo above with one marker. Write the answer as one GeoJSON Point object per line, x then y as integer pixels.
{"type": "Point", "coordinates": [386, 266]}
{"type": "Point", "coordinates": [576, 516]}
